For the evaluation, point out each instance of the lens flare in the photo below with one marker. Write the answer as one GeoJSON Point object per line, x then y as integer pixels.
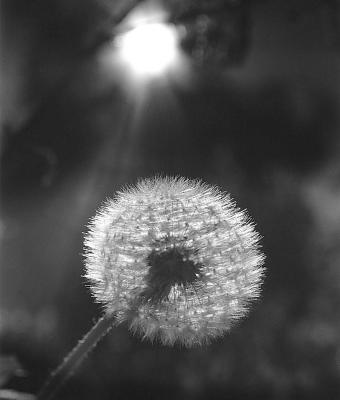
{"type": "Point", "coordinates": [149, 49]}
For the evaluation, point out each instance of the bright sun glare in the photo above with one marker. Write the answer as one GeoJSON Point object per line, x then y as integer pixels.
{"type": "Point", "coordinates": [149, 49]}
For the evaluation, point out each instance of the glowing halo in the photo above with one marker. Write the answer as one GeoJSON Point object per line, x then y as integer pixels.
{"type": "Point", "coordinates": [149, 49]}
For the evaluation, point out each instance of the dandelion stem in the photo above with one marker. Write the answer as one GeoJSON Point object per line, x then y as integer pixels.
{"type": "Point", "coordinates": [77, 355]}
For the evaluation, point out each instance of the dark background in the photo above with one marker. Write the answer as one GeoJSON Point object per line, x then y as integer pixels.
{"type": "Point", "coordinates": [262, 124]}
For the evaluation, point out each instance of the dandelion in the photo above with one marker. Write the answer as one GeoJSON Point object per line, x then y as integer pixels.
{"type": "Point", "coordinates": [175, 259]}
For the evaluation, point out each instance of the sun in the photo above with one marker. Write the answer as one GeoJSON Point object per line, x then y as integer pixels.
{"type": "Point", "coordinates": [150, 49]}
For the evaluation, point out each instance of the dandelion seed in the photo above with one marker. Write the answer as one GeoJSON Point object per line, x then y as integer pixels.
{"type": "Point", "coordinates": [174, 258]}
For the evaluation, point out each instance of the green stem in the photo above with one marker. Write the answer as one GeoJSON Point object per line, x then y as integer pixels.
{"type": "Point", "coordinates": [72, 361]}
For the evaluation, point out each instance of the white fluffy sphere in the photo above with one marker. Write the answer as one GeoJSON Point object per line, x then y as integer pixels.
{"type": "Point", "coordinates": [174, 258]}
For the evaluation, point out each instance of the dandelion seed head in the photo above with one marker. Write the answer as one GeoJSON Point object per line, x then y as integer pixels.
{"type": "Point", "coordinates": [175, 258]}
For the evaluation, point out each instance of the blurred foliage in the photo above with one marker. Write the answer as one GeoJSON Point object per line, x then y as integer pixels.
{"type": "Point", "coordinates": [266, 131]}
